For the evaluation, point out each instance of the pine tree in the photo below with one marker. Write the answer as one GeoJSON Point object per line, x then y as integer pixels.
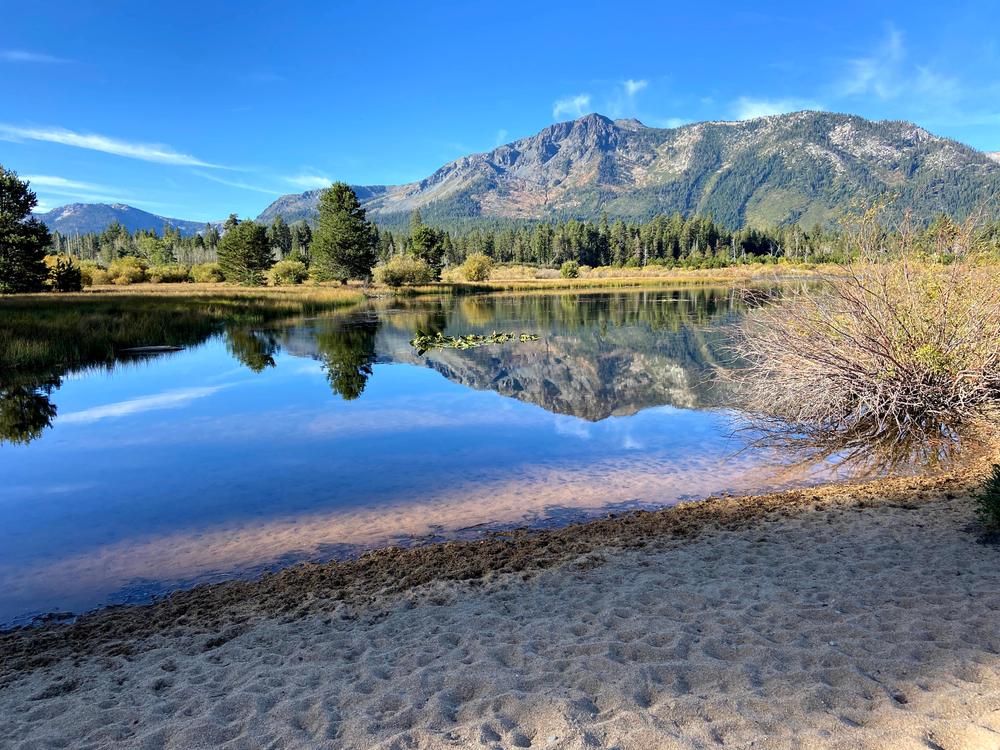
{"type": "Point", "coordinates": [280, 236]}
{"type": "Point", "coordinates": [342, 246]}
{"type": "Point", "coordinates": [23, 238]}
{"type": "Point", "coordinates": [245, 254]}
{"type": "Point", "coordinates": [415, 222]}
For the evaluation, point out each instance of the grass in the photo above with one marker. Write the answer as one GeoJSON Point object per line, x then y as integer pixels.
{"type": "Point", "coordinates": [87, 328]}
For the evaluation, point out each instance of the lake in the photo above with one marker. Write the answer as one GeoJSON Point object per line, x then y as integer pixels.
{"type": "Point", "coordinates": [319, 438]}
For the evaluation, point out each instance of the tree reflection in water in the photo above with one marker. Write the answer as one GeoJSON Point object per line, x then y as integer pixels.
{"type": "Point", "coordinates": [26, 410]}
{"type": "Point", "coordinates": [253, 349]}
{"type": "Point", "coordinates": [348, 354]}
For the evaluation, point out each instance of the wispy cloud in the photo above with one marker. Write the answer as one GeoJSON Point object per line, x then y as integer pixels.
{"type": "Point", "coordinates": [73, 188]}
{"type": "Point", "coordinates": [153, 152]}
{"type": "Point", "coordinates": [238, 184]}
{"type": "Point", "coordinates": [501, 137]}
{"type": "Point", "coordinates": [747, 108]}
{"type": "Point", "coordinates": [887, 75]}
{"type": "Point", "coordinates": [167, 400]}
{"type": "Point", "coordinates": [666, 122]}
{"type": "Point", "coordinates": [309, 181]}
{"type": "Point", "coordinates": [21, 56]}
{"type": "Point", "coordinates": [574, 106]}
{"type": "Point", "coordinates": [633, 87]}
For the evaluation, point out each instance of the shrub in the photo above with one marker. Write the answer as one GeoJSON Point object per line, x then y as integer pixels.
{"type": "Point", "coordinates": [174, 273]}
{"type": "Point", "coordinates": [64, 273]}
{"type": "Point", "coordinates": [207, 273]}
{"type": "Point", "coordinates": [92, 274]}
{"type": "Point", "coordinates": [894, 346]}
{"type": "Point", "coordinates": [127, 270]}
{"type": "Point", "coordinates": [477, 267]}
{"type": "Point", "coordinates": [404, 269]}
{"type": "Point", "coordinates": [570, 269]}
{"type": "Point", "coordinates": [988, 502]}
{"type": "Point", "coordinates": [287, 273]}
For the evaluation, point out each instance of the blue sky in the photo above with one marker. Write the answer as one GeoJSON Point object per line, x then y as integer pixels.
{"type": "Point", "coordinates": [196, 110]}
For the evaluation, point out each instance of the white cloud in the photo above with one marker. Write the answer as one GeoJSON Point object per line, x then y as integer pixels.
{"type": "Point", "coordinates": [62, 186]}
{"type": "Point", "coordinates": [632, 87]}
{"type": "Point", "coordinates": [576, 106]}
{"type": "Point", "coordinates": [154, 152]}
{"type": "Point", "coordinates": [236, 184]}
{"type": "Point", "coordinates": [878, 73]}
{"type": "Point", "coordinates": [747, 108]}
{"type": "Point", "coordinates": [666, 122]}
{"type": "Point", "coordinates": [20, 56]}
{"type": "Point", "coordinates": [310, 181]}
{"type": "Point", "coordinates": [501, 137]}
{"type": "Point", "coordinates": [168, 400]}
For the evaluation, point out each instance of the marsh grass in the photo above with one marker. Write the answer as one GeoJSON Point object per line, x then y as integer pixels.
{"type": "Point", "coordinates": [74, 330]}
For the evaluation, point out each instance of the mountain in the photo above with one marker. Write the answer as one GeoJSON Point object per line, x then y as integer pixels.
{"type": "Point", "coordinates": [80, 218]}
{"type": "Point", "coordinates": [805, 167]}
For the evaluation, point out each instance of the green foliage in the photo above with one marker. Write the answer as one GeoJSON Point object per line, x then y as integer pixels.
{"type": "Point", "coordinates": [127, 270]}
{"type": "Point", "coordinates": [342, 246]}
{"type": "Point", "coordinates": [280, 237]}
{"type": "Point", "coordinates": [23, 238]}
{"type": "Point", "coordinates": [287, 272]}
{"type": "Point", "coordinates": [570, 269]}
{"type": "Point", "coordinates": [423, 342]}
{"type": "Point", "coordinates": [207, 273]}
{"type": "Point", "coordinates": [426, 245]}
{"type": "Point", "coordinates": [174, 273]}
{"type": "Point", "coordinates": [477, 267]}
{"type": "Point", "coordinates": [988, 502]}
{"type": "Point", "coordinates": [64, 273]}
{"type": "Point", "coordinates": [245, 253]}
{"type": "Point", "coordinates": [403, 269]}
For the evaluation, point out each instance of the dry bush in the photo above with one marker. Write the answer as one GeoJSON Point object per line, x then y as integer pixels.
{"type": "Point", "coordinates": [127, 270]}
{"type": "Point", "coordinates": [892, 346]}
{"type": "Point", "coordinates": [174, 273]}
{"type": "Point", "coordinates": [404, 269]}
{"type": "Point", "coordinates": [207, 273]}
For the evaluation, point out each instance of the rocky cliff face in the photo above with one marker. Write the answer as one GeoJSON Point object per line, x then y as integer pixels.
{"type": "Point", "coordinates": [805, 166]}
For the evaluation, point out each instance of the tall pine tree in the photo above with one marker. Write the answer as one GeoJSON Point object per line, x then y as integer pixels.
{"type": "Point", "coordinates": [23, 238]}
{"type": "Point", "coordinates": [342, 246]}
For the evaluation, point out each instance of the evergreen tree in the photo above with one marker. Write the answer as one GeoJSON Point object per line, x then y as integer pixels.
{"type": "Point", "coordinates": [281, 236]}
{"type": "Point", "coordinates": [342, 246]}
{"type": "Point", "coordinates": [415, 222]}
{"type": "Point", "coordinates": [244, 253]}
{"type": "Point", "coordinates": [23, 238]}
{"type": "Point", "coordinates": [426, 244]}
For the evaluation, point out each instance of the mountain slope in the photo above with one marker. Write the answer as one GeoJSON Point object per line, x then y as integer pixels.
{"type": "Point", "coordinates": [80, 218]}
{"type": "Point", "coordinates": [805, 166]}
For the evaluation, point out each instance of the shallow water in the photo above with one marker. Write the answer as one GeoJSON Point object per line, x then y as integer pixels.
{"type": "Point", "coordinates": [319, 438]}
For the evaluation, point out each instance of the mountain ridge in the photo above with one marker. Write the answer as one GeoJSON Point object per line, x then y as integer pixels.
{"type": "Point", "coordinates": [804, 166]}
{"type": "Point", "coordinates": [83, 218]}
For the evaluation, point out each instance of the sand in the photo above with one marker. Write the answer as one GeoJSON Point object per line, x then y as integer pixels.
{"type": "Point", "coordinates": [835, 618]}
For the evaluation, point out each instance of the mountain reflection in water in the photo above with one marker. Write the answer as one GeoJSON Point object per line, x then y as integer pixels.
{"type": "Point", "coordinates": [321, 437]}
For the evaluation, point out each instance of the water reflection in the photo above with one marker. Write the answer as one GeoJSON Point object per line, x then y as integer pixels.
{"type": "Point", "coordinates": [139, 482]}
{"type": "Point", "coordinates": [26, 409]}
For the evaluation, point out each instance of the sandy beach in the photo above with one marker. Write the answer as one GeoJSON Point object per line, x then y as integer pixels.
{"type": "Point", "coordinates": [841, 617]}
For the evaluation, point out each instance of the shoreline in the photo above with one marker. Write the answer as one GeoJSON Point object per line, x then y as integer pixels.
{"type": "Point", "coordinates": [842, 616]}
{"type": "Point", "coordinates": [386, 574]}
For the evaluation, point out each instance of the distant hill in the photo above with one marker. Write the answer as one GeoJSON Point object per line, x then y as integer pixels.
{"type": "Point", "coordinates": [805, 167]}
{"type": "Point", "coordinates": [81, 218]}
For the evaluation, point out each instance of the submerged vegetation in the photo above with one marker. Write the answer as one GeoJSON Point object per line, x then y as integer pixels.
{"type": "Point", "coordinates": [424, 342]}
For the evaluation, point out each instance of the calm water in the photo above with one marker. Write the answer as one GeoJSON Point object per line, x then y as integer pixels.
{"type": "Point", "coordinates": [319, 438]}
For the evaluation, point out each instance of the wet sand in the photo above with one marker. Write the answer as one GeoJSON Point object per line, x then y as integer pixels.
{"type": "Point", "coordinates": [840, 617]}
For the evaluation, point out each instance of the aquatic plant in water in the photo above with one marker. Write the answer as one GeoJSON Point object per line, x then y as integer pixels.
{"type": "Point", "coordinates": [423, 342]}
